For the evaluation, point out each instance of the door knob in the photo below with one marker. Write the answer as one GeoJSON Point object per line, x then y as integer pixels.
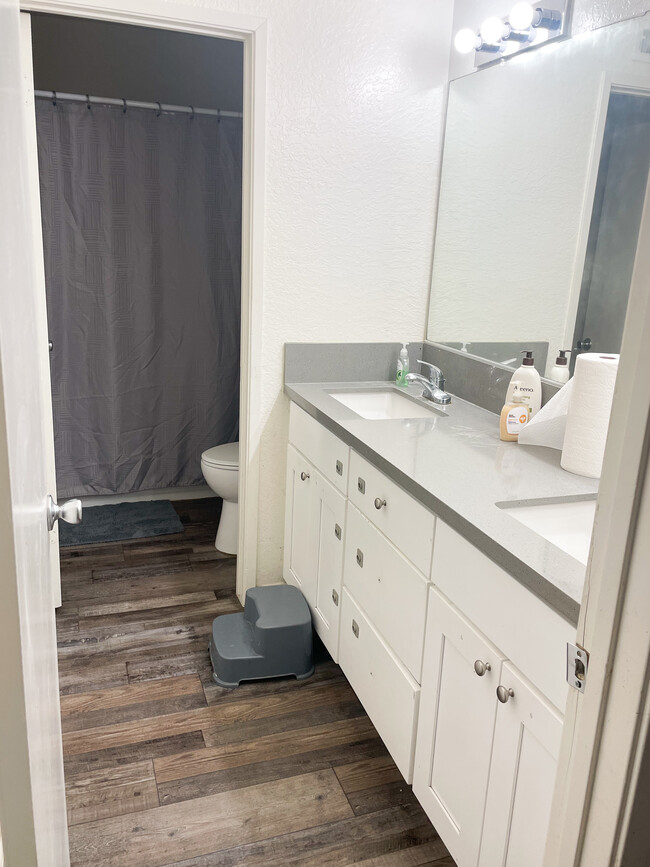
{"type": "Point", "coordinates": [304, 476]}
{"type": "Point", "coordinates": [379, 503]}
{"type": "Point", "coordinates": [70, 512]}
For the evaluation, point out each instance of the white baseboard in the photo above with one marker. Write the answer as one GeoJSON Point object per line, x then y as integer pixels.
{"type": "Point", "coordinates": [196, 492]}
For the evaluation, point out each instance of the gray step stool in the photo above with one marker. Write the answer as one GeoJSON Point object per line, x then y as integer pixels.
{"type": "Point", "coordinates": [272, 637]}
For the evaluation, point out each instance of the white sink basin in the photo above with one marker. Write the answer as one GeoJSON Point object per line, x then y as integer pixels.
{"type": "Point", "coordinates": [568, 525]}
{"type": "Point", "coordinates": [381, 404]}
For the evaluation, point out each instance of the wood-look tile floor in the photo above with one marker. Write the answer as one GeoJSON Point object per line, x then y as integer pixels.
{"type": "Point", "coordinates": [165, 767]}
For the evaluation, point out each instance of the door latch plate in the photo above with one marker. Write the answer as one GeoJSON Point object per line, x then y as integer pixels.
{"type": "Point", "coordinates": [577, 664]}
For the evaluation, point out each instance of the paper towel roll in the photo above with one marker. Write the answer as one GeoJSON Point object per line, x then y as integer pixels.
{"type": "Point", "coordinates": [588, 415]}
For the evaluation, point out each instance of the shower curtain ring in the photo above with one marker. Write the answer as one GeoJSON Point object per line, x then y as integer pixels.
{"type": "Point", "coordinates": [88, 106]}
{"type": "Point", "coordinates": [192, 110]}
{"type": "Point", "coordinates": [123, 105]}
{"type": "Point", "coordinates": [218, 115]}
{"type": "Point", "coordinates": [159, 112]}
{"type": "Point", "coordinates": [54, 98]}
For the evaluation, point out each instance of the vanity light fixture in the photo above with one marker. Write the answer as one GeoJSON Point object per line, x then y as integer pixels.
{"type": "Point", "coordinates": [525, 24]}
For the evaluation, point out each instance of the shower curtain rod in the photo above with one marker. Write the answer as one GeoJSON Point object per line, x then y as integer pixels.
{"type": "Point", "coordinates": [54, 95]}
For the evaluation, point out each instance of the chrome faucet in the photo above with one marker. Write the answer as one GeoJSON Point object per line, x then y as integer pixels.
{"type": "Point", "coordinates": [433, 388]}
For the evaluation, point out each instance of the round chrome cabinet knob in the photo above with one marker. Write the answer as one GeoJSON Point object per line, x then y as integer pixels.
{"type": "Point", "coordinates": [504, 694]}
{"type": "Point", "coordinates": [379, 503]}
{"type": "Point", "coordinates": [304, 476]}
{"type": "Point", "coordinates": [481, 667]}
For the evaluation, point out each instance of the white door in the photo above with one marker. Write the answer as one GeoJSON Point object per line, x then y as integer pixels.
{"type": "Point", "coordinates": [525, 754]}
{"type": "Point", "coordinates": [460, 675]}
{"type": "Point", "coordinates": [32, 802]}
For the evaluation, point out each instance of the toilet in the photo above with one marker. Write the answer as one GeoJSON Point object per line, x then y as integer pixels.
{"type": "Point", "coordinates": [220, 466]}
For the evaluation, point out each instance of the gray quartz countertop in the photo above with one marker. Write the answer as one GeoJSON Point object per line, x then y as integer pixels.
{"type": "Point", "coordinates": [456, 465]}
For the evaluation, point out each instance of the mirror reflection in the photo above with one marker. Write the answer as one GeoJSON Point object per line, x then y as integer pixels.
{"type": "Point", "coordinates": [545, 166]}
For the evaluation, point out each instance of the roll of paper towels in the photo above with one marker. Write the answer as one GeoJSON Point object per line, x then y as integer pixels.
{"type": "Point", "coordinates": [588, 415]}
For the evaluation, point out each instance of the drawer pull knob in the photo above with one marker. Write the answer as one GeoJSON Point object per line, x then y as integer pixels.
{"type": "Point", "coordinates": [379, 503]}
{"type": "Point", "coordinates": [359, 557]}
{"type": "Point", "coordinates": [481, 667]}
{"type": "Point", "coordinates": [504, 694]}
{"type": "Point", "coordinates": [355, 628]}
{"type": "Point", "coordinates": [361, 485]}
{"type": "Point", "coordinates": [339, 467]}
{"type": "Point", "coordinates": [335, 597]}
{"type": "Point", "coordinates": [337, 531]}
{"type": "Point", "coordinates": [304, 476]}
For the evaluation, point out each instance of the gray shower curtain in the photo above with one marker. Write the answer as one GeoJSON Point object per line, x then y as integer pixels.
{"type": "Point", "coordinates": [141, 228]}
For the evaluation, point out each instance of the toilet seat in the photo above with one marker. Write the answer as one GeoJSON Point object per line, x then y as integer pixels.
{"type": "Point", "coordinates": [224, 457]}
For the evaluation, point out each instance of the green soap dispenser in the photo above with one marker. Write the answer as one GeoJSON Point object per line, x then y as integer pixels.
{"type": "Point", "coordinates": [402, 367]}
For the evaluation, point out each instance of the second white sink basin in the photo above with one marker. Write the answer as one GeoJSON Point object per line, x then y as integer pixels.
{"type": "Point", "coordinates": [566, 524]}
{"type": "Point", "coordinates": [385, 404]}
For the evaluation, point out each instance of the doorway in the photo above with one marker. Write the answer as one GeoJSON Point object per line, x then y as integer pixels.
{"type": "Point", "coordinates": [250, 32]}
{"type": "Point", "coordinates": [140, 151]}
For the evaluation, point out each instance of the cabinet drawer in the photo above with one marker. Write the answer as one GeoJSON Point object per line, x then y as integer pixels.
{"type": "Point", "coordinates": [400, 517]}
{"type": "Point", "coordinates": [388, 693]}
{"type": "Point", "coordinates": [326, 452]}
{"type": "Point", "coordinates": [389, 589]}
{"type": "Point", "coordinates": [528, 632]}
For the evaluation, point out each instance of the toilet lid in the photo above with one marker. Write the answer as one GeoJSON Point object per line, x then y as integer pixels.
{"type": "Point", "coordinates": [226, 455]}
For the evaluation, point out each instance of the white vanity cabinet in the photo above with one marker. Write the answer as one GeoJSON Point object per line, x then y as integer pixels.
{"type": "Point", "coordinates": [427, 628]}
{"type": "Point", "coordinates": [488, 739]}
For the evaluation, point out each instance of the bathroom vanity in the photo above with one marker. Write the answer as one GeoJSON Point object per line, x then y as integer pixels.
{"type": "Point", "coordinates": [449, 617]}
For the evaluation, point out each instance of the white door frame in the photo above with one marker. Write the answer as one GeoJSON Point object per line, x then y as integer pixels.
{"type": "Point", "coordinates": [252, 31]}
{"type": "Point", "coordinates": [606, 727]}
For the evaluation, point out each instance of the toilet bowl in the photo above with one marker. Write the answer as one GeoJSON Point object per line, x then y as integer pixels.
{"type": "Point", "coordinates": [220, 466]}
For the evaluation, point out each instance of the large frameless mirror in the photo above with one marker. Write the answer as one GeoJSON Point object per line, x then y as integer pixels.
{"type": "Point", "coordinates": [545, 166]}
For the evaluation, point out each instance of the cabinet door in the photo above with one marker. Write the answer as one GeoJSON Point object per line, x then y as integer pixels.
{"type": "Point", "coordinates": [301, 526]}
{"type": "Point", "coordinates": [455, 728]}
{"type": "Point", "coordinates": [329, 568]}
{"type": "Point", "coordinates": [522, 776]}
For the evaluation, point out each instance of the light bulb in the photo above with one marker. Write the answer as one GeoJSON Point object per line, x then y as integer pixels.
{"type": "Point", "coordinates": [521, 16]}
{"type": "Point", "coordinates": [466, 41]}
{"type": "Point", "coordinates": [493, 30]}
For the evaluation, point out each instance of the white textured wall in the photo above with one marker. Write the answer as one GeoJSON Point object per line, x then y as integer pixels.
{"type": "Point", "coordinates": [589, 14]}
{"type": "Point", "coordinates": [354, 101]}
{"type": "Point", "coordinates": [517, 165]}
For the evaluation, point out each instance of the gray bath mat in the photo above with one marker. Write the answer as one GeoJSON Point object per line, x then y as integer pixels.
{"type": "Point", "coordinates": [121, 521]}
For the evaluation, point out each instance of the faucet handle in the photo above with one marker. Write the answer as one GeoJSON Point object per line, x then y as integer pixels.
{"type": "Point", "coordinates": [435, 374]}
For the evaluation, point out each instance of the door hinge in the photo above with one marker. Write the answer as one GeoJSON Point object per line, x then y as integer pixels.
{"type": "Point", "coordinates": [577, 663]}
